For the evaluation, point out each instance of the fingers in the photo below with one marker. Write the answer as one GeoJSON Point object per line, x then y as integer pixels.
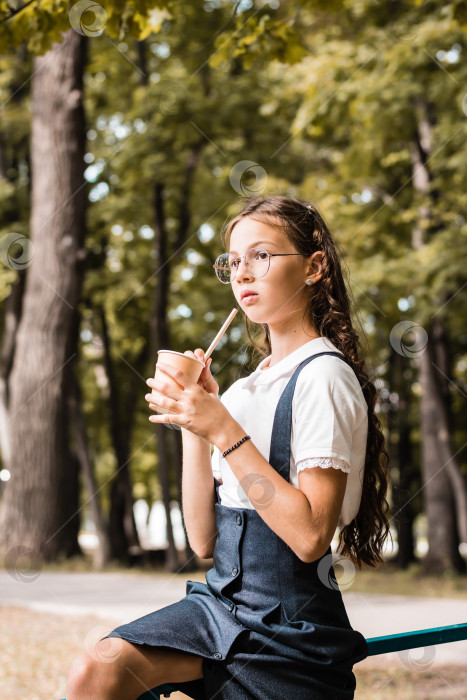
{"type": "Point", "coordinates": [199, 354]}
{"type": "Point", "coordinates": [162, 389]}
{"type": "Point", "coordinates": [151, 398]}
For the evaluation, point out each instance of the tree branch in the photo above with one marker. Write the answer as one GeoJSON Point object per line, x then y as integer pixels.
{"type": "Point", "coordinates": [13, 12]}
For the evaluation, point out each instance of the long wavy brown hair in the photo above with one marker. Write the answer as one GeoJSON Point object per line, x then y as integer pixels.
{"type": "Point", "coordinates": [329, 310]}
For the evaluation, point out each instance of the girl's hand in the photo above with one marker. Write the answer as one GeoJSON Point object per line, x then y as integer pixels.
{"type": "Point", "coordinates": [206, 380]}
{"type": "Point", "coordinates": [193, 407]}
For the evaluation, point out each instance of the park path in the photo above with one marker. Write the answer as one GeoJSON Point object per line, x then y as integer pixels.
{"type": "Point", "coordinates": [121, 597]}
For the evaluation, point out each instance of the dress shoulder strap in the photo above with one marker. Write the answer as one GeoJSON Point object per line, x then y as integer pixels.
{"type": "Point", "coordinates": [279, 453]}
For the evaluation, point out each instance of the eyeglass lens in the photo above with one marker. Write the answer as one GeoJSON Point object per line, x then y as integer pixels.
{"type": "Point", "coordinates": [256, 260]}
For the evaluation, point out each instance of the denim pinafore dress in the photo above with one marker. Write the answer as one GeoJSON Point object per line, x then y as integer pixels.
{"type": "Point", "coordinates": [268, 625]}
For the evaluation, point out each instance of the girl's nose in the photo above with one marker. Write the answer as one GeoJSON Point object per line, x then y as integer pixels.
{"type": "Point", "coordinates": [242, 270]}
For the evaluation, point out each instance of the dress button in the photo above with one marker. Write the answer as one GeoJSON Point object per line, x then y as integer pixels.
{"type": "Point", "coordinates": [239, 520]}
{"type": "Point", "coordinates": [234, 571]}
{"type": "Point", "coordinates": [217, 655]}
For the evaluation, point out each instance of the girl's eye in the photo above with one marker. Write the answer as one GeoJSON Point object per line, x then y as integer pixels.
{"type": "Point", "coordinates": [234, 264]}
{"type": "Point", "coordinates": [262, 255]}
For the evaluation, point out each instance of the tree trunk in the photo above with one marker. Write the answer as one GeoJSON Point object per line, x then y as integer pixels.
{"type": "Point", "coordinates": [34, 512]}
{"type": "Point", "coordinates": [401, 458]}
{"type": "Point", "coordinates": [406, 554]}
{"type": "Point", "coordinates": [102, 557]}
{"type": "Point", "coordinates": [124, 538]}
{"type": "Point", "coordinates": [68, 486]}
{"type": "Point", "coordinates": [443, 373]}
{"type": "Point", "coordinates": [182, 236]}
{"type": "Point", "coordinates": [444, 490]}
{"type": "Point", "coordinates": [160, 339]}
{"type": "Point", "coordinates": [443, 551]}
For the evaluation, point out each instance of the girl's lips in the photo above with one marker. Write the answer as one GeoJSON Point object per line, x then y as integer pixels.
{"type": "Point", "coordinates": [249, 298]}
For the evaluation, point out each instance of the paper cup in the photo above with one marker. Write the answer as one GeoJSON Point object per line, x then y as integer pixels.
{"type": "Point", "coordinates": [189, 365]}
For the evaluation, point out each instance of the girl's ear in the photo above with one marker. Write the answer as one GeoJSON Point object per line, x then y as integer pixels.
{"type": "Point", "coordinates": [314, 267]}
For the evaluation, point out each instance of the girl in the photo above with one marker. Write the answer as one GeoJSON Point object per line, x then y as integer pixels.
{"type": "Point", "coordinates": [298, 451]}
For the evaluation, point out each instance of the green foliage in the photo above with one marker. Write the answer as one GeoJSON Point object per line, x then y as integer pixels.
{"type": "Point", "coordinates": [260, 40]}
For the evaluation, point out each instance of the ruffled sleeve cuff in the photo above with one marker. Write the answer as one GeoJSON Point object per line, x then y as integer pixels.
{"type": "Point", "coordinates": [324, 462]}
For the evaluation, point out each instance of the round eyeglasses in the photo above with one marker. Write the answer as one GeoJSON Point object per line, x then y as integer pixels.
{"type": "Point", "coordinates": [256, 262]}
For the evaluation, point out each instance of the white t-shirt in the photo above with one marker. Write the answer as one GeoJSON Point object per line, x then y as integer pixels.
{"type": "Point", "coordinates": [329, 421]}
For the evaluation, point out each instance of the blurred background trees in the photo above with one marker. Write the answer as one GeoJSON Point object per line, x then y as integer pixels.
{"type": "Point", "coordinates": [128, 136]}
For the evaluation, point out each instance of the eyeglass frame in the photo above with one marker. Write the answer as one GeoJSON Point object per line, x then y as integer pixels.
{"type": "Point", "coordinates": [242, 257]}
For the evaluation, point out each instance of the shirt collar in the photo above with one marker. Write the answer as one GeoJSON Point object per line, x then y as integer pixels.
{"type": "Point", "coordinates": [288, 363]}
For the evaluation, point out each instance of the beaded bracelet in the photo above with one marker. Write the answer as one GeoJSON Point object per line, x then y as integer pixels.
{"type": "Point", "coordinates": [237, 444]}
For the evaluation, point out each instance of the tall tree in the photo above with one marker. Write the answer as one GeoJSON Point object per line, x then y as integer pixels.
{"type": "Point", "coordinates": [445, 490]}
{"type": "Point", "coordinates": [38, 503]}
{"type": "Point", "coordinates": [384, 104]}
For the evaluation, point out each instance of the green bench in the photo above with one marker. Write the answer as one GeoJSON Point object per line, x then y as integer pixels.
{"type": "Point", "coordinates": [417, 638]}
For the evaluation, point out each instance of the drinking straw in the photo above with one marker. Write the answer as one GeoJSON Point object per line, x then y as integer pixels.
{"type": "Point", "coordinates": [225, 325]}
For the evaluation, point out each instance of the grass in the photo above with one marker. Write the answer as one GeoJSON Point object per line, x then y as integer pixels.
{"type": "Point", "coordinates": [439, 682]}
{"type": "Point", "coordinates": [390, 580]}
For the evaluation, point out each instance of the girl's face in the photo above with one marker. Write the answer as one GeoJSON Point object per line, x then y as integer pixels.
{"type": "Point", "coordinates": [282, 292]}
